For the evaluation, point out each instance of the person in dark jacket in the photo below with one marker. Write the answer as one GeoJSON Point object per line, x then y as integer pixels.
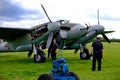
{"type": "Point", "coordinates": [97, 50]}
{"type": "Point", "coordinates": [54, 47]}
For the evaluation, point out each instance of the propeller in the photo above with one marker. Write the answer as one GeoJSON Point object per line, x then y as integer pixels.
{"type": "Point", "coordinates": [50, 37]}
{"type": "Point", "coordinates": [52, 27]}
{"type": "Point", "coordinates": [104, 36]}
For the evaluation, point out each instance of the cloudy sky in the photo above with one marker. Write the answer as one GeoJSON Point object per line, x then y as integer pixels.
{"type": "Point", "coordinates": [28, 13]}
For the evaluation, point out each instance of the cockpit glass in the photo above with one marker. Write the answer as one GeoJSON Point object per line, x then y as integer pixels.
{"type": "Point", "coordinates": [63, 21]}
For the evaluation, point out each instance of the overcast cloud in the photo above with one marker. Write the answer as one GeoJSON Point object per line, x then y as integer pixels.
{"type": "Point", "coordinates": [27, 13]}
{"type": "Point", "coordinates": [11, 12]}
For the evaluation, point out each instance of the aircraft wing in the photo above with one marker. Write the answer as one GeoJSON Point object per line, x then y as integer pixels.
{"type": "Point", "coordinates": [12, 33]}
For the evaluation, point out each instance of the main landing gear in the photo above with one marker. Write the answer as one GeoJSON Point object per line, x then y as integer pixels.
{"type": "Point", "coordinates": [39, 55]}
{"type": "Point", "coordinates": [84, 54]}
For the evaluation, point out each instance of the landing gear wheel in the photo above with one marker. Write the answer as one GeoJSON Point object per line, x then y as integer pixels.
{"type": "Point", "coordinates": [40, 57]}
{"type": "Point", "coordinates": [85, 54]}
{"type": "Point", "coordinates": [74, 75]}
{"type": "Point", "coordinates": [45, 77]}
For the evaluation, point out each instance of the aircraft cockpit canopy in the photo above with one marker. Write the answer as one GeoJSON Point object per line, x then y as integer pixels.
{"type": "Point", "coordinates": [63, 21]}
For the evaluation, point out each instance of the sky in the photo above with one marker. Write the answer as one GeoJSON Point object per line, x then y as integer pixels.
{"type": "Point", "coordinates": [28, 13]}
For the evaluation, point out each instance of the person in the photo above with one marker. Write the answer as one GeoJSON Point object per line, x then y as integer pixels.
{"type": "Point", "coordinates": [54, 47]}
{"type": "Point", "coordinates": [97, 50]}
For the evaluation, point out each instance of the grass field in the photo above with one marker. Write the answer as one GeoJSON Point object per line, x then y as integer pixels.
{"type": "Point", "coordinates": [16, 66]}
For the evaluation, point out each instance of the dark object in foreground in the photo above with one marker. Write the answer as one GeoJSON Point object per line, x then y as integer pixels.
{"type": "Point", "coordinates": [60, 71]}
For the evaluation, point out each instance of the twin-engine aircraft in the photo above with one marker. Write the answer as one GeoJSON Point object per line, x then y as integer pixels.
{"type": "Point", "coordinates": [68, 35]}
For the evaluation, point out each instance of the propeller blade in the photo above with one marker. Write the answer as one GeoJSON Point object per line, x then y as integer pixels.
{"type": "Point", "coordinates": [105, 37]}
{"type": "Point", "coordinates": [45, 12]}
{"type": "Point", "coordinates": [98, 16]}
{"type": "Point", "coordinates": [49, 40]}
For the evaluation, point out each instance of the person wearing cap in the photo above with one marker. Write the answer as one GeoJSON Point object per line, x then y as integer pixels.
{"type": "Point", "coordinates": [97, 50]}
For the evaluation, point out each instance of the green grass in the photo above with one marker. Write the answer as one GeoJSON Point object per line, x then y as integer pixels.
{"type": "Point", "coordinates": [16, 66]}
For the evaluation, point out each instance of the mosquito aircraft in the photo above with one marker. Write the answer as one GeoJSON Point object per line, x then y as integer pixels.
{"type": "Point", "coordinates": [68, 35]}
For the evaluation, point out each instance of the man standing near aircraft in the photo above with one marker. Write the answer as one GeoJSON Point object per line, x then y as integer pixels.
{"type": "Point", "coordinates": [54, 47]}
{"type": "Point", "coordinates": [97, 50]}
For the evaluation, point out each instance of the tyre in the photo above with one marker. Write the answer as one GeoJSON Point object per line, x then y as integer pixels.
{"type": "Point", "coordinates": [84, 55]}
{"type": "Point", "coordinates": [74, 75]}
{"type": "Point", "coordinates": [45, 77]}
{"type": "Point", "coordinates": [40, 57]}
